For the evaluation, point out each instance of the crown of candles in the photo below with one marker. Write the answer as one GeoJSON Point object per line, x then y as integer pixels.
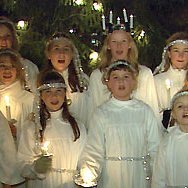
{"type": "Point", "coordinates": [125, 24]}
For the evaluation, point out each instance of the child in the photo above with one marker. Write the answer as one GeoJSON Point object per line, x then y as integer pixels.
{"type": "Point", "coordinates": [170, 166]}
{"type": "Point", "coordinates": [170, 74]}
{"type": "Point", "coordinates": [53, 124]}
{"type": "Point", "coordinates": [8, 39]}
{"type": "Point", "coordinates": [123, 135]}
{"type": "Point", "coordinates": [63, 57]}
{"type": "Point", "coordinates": [12, 80]}
{"type": "Point", "coordinates": [9, 174]}
{"type": "Point", "coordinates": [120, 45]}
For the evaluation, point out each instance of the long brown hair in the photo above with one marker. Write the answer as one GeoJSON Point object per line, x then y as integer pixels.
{"type": "Point", "coordinates": [47, 77]}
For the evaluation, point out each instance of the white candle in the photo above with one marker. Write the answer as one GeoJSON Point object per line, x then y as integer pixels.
{"type": "Point", "coordinates": [125, 15]}
{"type": "Point", "coordinates": [118, 20]}
{"type": "Point", "coordinates": [45, 148]}
{"type": "Point", "coordinates": [168, 85]}
{"type": "Point", "coordinates": [131, 21]}
{"type": "Point", "coordinates": [103, 23]}
{"type": "Point", "coordinates": [111, 17]}
{"type": "Point", "coordinates": [8, 112]}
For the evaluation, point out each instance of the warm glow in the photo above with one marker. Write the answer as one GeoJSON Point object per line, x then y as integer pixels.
{"type": "Point", "coordinates": [97, 6]}
{"type": "Point", "coordinates": [79, 2]}
{"type": "Point", "coordinates": [45, 147]}
{"type": "Point", "coordinates": [167, 81]}
{"type": "Point", "coordinates": [7, 100]}
{"type": "Point", "coordinates": [87, 175]}
{"type": "Point", "coordinates": [21, 24]}
{"type": "Point", "coordinates": [93, 56]}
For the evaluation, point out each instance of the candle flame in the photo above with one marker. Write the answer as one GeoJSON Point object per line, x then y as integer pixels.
{"type": "Point", "coordinates": [44, 147]}
{"type": "Point", "coordinates": [167, 81]}
{"type": "Point", "coordinates": [7, 100]}
{"type": "Point", "coordinates": [87, 175]}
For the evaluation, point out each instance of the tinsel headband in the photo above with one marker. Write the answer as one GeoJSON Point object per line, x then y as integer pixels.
{"type": "Point", "coordinates": [115, 64]}
{"type": "Point", "coordinates": [51, 85]}
{"type": "Point", "coordinates": [161, 67]}
{"type": "Point", "coordinates": [176, 96]}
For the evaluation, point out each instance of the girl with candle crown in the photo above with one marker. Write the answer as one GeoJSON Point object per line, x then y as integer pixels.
{"type": "Point", "coordinates": [172, 69]}
{"type": "Point", "coordinates": [170, 166]}
{"type": "Point", "coordinates": [120, 45]}
{"type": "Point", "coordinates": [12, 79]}
{"type": "Point", "coordinates": [54, 124]}
{"type": "Point", "coordinates": [8, 39]}
{"type": "Point", "coordinates": [63, 57]}
{"type": "Point", "coordinates": [123, 131]}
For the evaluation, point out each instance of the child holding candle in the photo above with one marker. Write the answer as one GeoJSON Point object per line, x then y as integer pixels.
{"type": "Point", "coordinates": [53, 124]}
{"type": "Point", "coordinates": [8, 39]}
{"type": "Point", "coordinates": [15, 102]}
{"type": "Point", "coordinates": [63, 57]}
{"type": "Point", "coordinates": [170, 74]}
{"type": "Point", "coordinates": [9, 173]}
{"type": "Point", "coordinates": [120, 45]}
{"type": "Point", "coordinates": [123, 135]}
{"type": "Point", "coordinates": [170, 166]}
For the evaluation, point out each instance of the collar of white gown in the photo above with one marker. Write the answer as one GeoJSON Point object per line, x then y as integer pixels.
{"type": "Point", "coordinates": [177, 70]}
{"type": "Point", "coordinates": [56, 114]}
{"type": "Point", "coordinates": [122, 103]}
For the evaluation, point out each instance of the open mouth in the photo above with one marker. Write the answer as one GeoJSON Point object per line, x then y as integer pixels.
{"type": "Point", "coordinates": [185, 115]}
{"type": "Point", "coordinates": [121, 87]}
{"type": "Point", "coordinates": [119, 52]}
{"type": "Point", "coordinates": [61, 61]}
{"type": "Point", "coordinates": [7, 76]}
{"type": "Point", "coordinates": [54, 102]}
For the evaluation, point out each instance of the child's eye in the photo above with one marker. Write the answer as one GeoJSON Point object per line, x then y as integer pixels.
{"type": "Point", "coordinates": [179, 106]}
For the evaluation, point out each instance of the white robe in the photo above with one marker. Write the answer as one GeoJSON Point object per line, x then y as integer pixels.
{"type": "Point", "coordinates": [65, 152]}
{"type": "Point", "coordinates": [176, 78]}
{"type": "Point", "coordinates": [31, 73]}
{"type": "Point", "coordinates": [170, 166]}
{"type": "Point", "coordinates": [121, 129]}
{"type": "Point", "coordinates": [146, 91]}
{"type": "Point", "coordinates": [9, 173]}
{"type": "Point", "coordinates": [79, 101]}
{"type": "Point", "coordinates": [21, 104]}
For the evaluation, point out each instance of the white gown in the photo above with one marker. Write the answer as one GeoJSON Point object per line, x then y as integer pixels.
{"type": "Point", "coordinates": [176, 79]}
{"type": "Point", "coordinates": [31, 72]}
{"type": "Point", "coordinates": [146, 91]}
{"type": "Point", "coordinates": [9, 173]}
{"type": "Point", "coordinates": [170, 166]}
{"type": "Point", "coordinates": [78, 106]}
{"type": "Point", "coordinates": [21, 104]}
{"type": "Point", "coordinates": [126, 129]}
{"type": "Point", "coordinates": [65, 152]}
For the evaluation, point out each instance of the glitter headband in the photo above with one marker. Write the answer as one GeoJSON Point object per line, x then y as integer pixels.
{"type": "Point", "coordinates": [115, 64]}
{"type": "Point", "coordinates": [161, 67]}
{"type": "Point", "coordinates": [177, 95]}
{"type": "Point", "coordinates": [8, 51]}
{"type": "Point", "coordinates": [51, 85]}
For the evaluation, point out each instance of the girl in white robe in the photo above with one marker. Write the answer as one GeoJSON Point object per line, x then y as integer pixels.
{"type": "Point", "coordinates": [120, 45]}
{"type": "Point", "coordinates": [9, 173]}
{"type": "Point", "coordinates": [170, 166]}
{"type": "Point", "coordinates": [123, 135]}
{"type": "Point", "coordinates": [12, 86]}
{"type": "Point", "coordinates": [8, 39]}
{"type": "Point", "coordinates": [63, 57]}
{"type": "Point", "coordinates": [171, 73]}
{"type": "Point", "coordinates": [53, 124]}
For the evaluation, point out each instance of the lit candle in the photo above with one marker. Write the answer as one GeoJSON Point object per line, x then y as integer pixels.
{"type": "Point", "coordinates": [88, 177]}
{"type": "Point", "coordinates": [103, 23]}
{"type": "Point", "coordinates": [168, 85]}
{"type": "Point", "coordinates": [118, 20]}
{"type": "Point", "coordinates": [111, 17]}
{"type": "Point", "coordinates": [131, 21]}
{"type": "Point", "coordinates": [45, 148]}
{"type": "Point", "coordinates": [8, 112]}
{"type": "Point", "coordinates": [125, 15]}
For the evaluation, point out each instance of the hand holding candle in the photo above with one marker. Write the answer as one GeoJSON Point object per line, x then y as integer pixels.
{"type": "Point", "coordinates": [8, 112]}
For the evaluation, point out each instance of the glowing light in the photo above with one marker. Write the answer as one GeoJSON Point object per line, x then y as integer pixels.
{"type": "Point", "coordinates": [79, 2]}
{"type": "Point", "coordinates": [93, 56]}
{"type": "Point", "coordinates": [97, 6]}
{"type": "Point", "coordinates": [21, 24]}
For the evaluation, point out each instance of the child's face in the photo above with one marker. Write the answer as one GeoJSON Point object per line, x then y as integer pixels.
{"type": "Point", "coordinates": [8, 72]}
{"type": "Point", "coordinates": [53, 98]}
{"type": "Point", "coordinates": [119, 44]}
{"type": "Point", "coordinates": [121, 83]}
{"type": "Point", "coordinates": [5, 37]}
{"type": "Point", "coordinates": [178, 54]}
{"type": "Point", "coordinates": [180, 110]}
{"type": "Point", "coordinates": [60, 54]}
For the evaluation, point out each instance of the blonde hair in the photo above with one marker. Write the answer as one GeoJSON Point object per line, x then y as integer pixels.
{"type": "Point", "coordinates": [105, 57]}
